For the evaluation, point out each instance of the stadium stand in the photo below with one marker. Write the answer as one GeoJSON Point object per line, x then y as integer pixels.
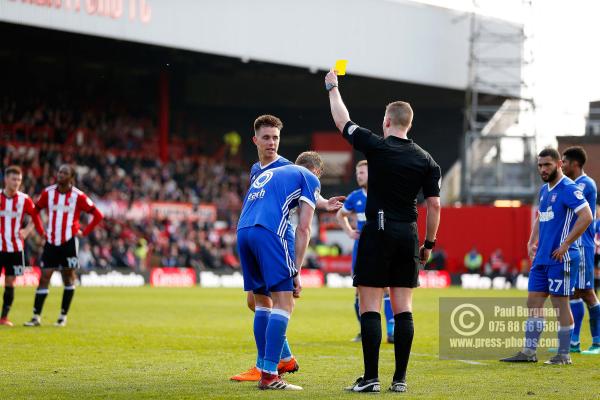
{"type": "Point", "coordinates": [114, 165]}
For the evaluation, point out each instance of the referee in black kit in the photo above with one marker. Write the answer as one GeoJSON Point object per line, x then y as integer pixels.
{"type": "Point", "coordinates": [388, 248]}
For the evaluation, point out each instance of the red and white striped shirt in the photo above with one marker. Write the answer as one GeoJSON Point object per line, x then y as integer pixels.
{"type": "Point", "coordinates": [63, 212]}
{"type": "Point", "coordinates": [12, 210]}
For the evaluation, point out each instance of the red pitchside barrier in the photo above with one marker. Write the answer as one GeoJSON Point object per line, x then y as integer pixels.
{"type": "Point", "coordinates": [312, 278]}
{"type": "Point", "coordinates": [486, 227]}
{"type": "Point", "coordinates": [31, 277]}
{"type": "Point", "coordinates": [173, 277]}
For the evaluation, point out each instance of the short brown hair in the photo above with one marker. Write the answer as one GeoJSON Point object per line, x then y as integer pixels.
{"type": "Point", "coordinates": [13, 169]}
{"type": "Point", "coordinates": [267, 120]}
{"type": "Point", "coordinates": [362, 163]}
{"type": "Point", "coordinates": [310, 160]}
{"type": "Point", "coordinates": [400, 113]}
{"type": "Point", "coordinates": [550, 152]}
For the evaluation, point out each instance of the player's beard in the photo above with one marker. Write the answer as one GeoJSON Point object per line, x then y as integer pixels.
{"type": "Point", "coordinates": [551, 176]}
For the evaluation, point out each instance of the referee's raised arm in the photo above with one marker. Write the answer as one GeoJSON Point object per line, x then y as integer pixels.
{"type": "Point", "coordinates": [339, 112]}
{"type": "Point", "coordinates": [361, 139]}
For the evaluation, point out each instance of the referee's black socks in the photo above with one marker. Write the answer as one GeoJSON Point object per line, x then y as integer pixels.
{"type": "Point", "coordinates": [404, 330]}
{"type": "Point", "coordinates": [370, 329]}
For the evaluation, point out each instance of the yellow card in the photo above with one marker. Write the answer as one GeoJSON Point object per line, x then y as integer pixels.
{"type": "Point", "coordinates": [340, 67]}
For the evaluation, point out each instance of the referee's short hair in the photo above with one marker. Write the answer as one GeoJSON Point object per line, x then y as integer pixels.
{"type": "Point", "coordinates": [362, 163]}
{"type": "Point", "coordinates": [550, 152]}
{"type": "Point", "coordinates": [310, 160]}
{"type": "Point", "coordinates": [267, 120]}
{"type": "Point", "coordinates": [13, 169]}
{"type": "Point", "coordinates": [576, 153]}
{"type": "Point", "coordinates": [400, 113]}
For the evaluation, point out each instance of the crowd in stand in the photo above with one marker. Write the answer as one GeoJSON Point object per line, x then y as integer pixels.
{"type": "Point", "coordinates": [112, 164]}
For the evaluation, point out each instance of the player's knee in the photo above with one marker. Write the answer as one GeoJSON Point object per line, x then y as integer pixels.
{"type": "Point", "coordinates": [44, 281]}
{"type": "Point", "coordinates": [589, 297]}
{"type": "Point", "coordinates": [534, 303]}
{"type": "Point", "coordinates": [251, 305]}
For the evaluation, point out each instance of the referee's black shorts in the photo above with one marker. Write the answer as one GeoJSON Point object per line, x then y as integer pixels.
{"type": "Point", "coordinates": [389, 257]}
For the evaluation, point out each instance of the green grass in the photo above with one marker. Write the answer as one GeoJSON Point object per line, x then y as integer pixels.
{"type": "Point", "coordinates": [186, 343]}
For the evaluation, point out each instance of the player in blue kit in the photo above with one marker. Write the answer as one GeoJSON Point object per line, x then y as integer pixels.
{"type": "Point", "coordinates": [267, 132]}
{"type": "Point", "coordinates": [356, 203]}
{"type": "Point", "coordinates": [574, 159]}
{"type": "Point", "coordinates": [563, 217]}
{"type": "Point", "coordinates": [271, 260]}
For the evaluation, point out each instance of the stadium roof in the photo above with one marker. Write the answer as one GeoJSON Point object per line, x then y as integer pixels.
{"type": "Point", "coordinates": [400, 41]}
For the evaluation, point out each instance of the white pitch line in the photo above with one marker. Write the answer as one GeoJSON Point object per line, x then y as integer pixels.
{"type": "Point", "coordinates": [471, 362]}
{"type": "Point", "coordinates": [434, 356]}
{"type": "Point", "coordinates": [412, 354]}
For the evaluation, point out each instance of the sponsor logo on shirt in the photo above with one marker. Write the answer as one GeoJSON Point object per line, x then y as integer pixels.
{"type": "Point", "coordinates": [62, 208]}
{"type": "Point", "coordinates": [352, 129]}
{"type": "Point", "coordinates": [579, 194]}
{"type": "Point", "coordinates": [257, 195]}
{"type": "Point", "coordinates": [547, 215]}
{"type": "Point", "coordinates": [581, 186]}
{"type": "Point", "coordinates": [9, 214]}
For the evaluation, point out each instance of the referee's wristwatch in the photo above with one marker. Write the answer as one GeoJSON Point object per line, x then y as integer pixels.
{"type": "Point", "coordinates": [429, 244]}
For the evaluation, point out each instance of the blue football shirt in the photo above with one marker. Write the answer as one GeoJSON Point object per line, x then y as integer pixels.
{"type": "Point", "coordinates": [274, 193]}
{"type": "Point", "coordinates": [356, 202]}
{"type": "Point", "coordinates": [558, 206]}
{"type": "Point", "coordinates": [590, 192]}
{"type": "Point", "coordinates": [257, 169]}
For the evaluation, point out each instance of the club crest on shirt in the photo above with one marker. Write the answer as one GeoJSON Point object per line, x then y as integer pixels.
{"type": "Point", "coordinates": [553, 197]}
{"type": "Point", "coordinates": [578, 194]}
{"type": "Point", "coordinates": [262, 179]}
{"type": "Point", "coordinates": [358, 203]}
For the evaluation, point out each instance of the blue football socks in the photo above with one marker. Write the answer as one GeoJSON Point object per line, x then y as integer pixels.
{"type": "Point", "coordinates": [578, 310]}
{"type": "Point", "coordinates": [276, 328]}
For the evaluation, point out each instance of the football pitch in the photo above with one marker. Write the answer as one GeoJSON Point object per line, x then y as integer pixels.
{"type": "Point", "coordinates": [124, 343]}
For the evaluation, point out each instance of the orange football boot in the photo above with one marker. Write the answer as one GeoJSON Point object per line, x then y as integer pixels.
{"type": "Point", "coordinates": [252, 375]}
{"type": "Point", "coordinates": [288, 367]}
